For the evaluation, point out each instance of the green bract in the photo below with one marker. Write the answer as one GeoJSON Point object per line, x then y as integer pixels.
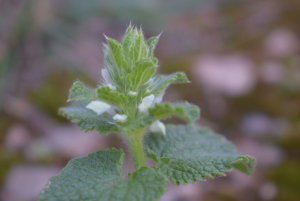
{"type": "Point", "coordinates": [129, 102]}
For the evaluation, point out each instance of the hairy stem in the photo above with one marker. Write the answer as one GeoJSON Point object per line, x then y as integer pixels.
{"type": "Point", "coordinates": [136, 148]}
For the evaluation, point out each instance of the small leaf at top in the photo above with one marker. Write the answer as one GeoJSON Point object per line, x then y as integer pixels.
{"type": "Point", "coordinates": [127, 40]}
{"type": "Point", "coordinates": [184, 110]}
{"type": "Point", "coordinates": [81, 92]}
{"type": "Point", "coordinates": [138, 49]}
{"type": "Point", "coordinates": [151, 43]}
{"type": "Point", "coordinates": [98, 177]}
{"type": "Point", "coordinates": [142, 72]}
{"type": "Point", "coordinates": [160, 82]}
{"type": "Point", "coordinates": [107, 94]}
{"type": "Point", "coordinates": [87, 120]}
{"type": "Point", "coordinates": [116, 54]}
{"type": "Point", "coordinates": [188, 153]}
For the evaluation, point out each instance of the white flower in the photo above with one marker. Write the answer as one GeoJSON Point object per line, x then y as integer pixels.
{"type": "Point", "coordinates": [113, 87]}
{"type": "Point", "coordinates": [146, 103]}
{"type": "Point", "coordinates": [98, 106]}
{"type": "Point", "coordinates": [158, 126]}
{"type": "Point", "coordinates": [159, 97]}
{"type": "Point", "coordinates": [132, 93]}
{"type": "Point", "coordinates": [120, 117]}
{"type": "Point", "coordinates": [106, 76]}
{"type": "Point", "coordinates": [110, 83]}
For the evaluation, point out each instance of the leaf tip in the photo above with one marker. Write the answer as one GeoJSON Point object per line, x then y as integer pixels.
{"type": "Point", "coordinates": [165, 159]}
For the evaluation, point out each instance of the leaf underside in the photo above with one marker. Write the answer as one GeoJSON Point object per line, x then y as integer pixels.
{"type": "Point", "coordinates": [97, 177]}
{"type": "Point", "coordinates": [184, 110]}
{"type": "Point", "coordinates": [80, 91]}
{"type": "Point", "coordinates": [88, 120]}
{"type": "Point", "coordinates": [188, 153]}
{"type": "Point", "coordinates": [160, 82]}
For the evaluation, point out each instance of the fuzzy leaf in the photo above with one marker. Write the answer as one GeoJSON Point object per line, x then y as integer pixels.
{"type": "Point", "coordinates": [187, 153]}
{"type": "Point", "coordinates": [138, 48]}
{"type": "Point", "coordinates": [107, 94]}
{"type": "Point", "coordinates": [116, 55]}
{"type": "Point", "coordinates": [151, 43]}
{"type": "Point", "coordinates": [142, 120]}
{"type": "Point", "coordinates": [127, 39]}
{"type": "Point", "coordinates": [88, 120]}
{"type": "Point", "coordinates": [81, 92]}
{"type": "Point", "coordinates": [98, 177]}
{"type": "Point", "coordinates": [184, 110]}
{"type": "Point", "coordinates": [141, 74]}
{"type": "Point", "coordinates": [162, 81]}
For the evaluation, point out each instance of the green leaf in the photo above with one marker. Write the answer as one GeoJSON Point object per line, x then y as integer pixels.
{"type": "Point", "coordinates": [127, 40]}
{"type": "Point", "coordinates": [141, 73]}
{"type": "Point", "coordinates": [88, 120]}
{"type": "Point", "coordinates": [187, 153]}
{"type": "Point", "coordinates": [151, 43]}
{"type": "Point", "coordinates": [107, 94]}
{"type": "Point", "coordinates": [116, 55]}
{"type": "Point", "coordinates": [98, 177]}
{"type": "Point", "coordinates": [162, 81]}
{"type": "Point", "coordinates": [184, 110]}
{"type": "Point", "coordinates": [161, 111]}
{"type": "Point", "coordinates": [142, 120]}
{"type": "Point", "coordinates": [81, 92]}
{"type": "Point", "coordinates": [138, 48]}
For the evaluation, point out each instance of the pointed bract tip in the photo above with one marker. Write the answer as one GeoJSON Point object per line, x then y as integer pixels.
{"type": "Point", "coordinates": [160, 34]}
{"type": "Point", "coordinates": [106, 37]}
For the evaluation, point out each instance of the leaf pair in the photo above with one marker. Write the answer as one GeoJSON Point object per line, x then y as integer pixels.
{"type": "Point", "coordinates": [141, 74]}
{"type": "Point", "coordinates": [184, 154]}
{"type": "Point", "coordinates": [88, 120]}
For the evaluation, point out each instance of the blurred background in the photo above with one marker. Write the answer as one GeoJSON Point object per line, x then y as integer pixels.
{"type": "Point", "coordinates": [241, 55]}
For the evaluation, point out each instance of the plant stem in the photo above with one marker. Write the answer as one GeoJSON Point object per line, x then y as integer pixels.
{"type": "Point", "coordinates": [137, 150]}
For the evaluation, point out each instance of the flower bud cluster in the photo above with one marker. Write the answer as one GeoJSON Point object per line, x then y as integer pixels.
{"type": "Point", "coordinates": [129, 69]}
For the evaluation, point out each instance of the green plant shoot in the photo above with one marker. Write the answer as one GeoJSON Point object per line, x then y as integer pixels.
{"type": "Point", "coordinates": [129, 102]}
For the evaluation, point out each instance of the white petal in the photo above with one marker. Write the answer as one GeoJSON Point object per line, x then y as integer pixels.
{"type": "Point", "coordinates": [159, 97]}
{"type": "Point", "coordinates": [132, 93]}
{"type": "Point", "coordinates": [106, 76]}
{"type": "Point", "coordinates": [158, 126]}
{"type": "Point", "coordinates": [113, 87]}
{"type": "Point", "coordinates": [146, 103]}
{"type": "Point", "coordinates": [143, 107]}
{"type": "Point", "coordinates": [120, 117]}
{"type": "Point", "coordinates": [148, 99]}
{"type": "Point", "coordinates": [98, 106]}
